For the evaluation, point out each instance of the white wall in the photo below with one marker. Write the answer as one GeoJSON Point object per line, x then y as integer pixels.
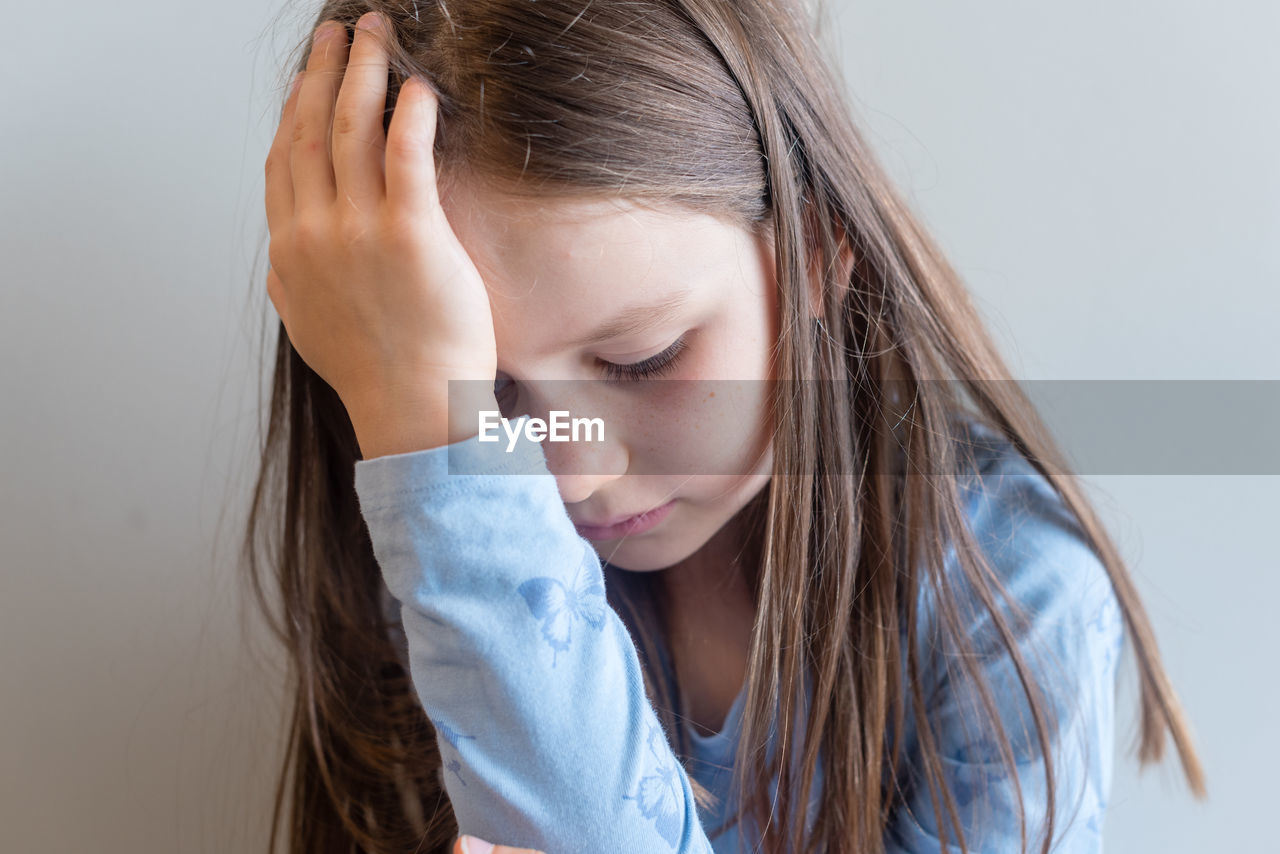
{"type": "Point", "coordinates": [1102, 174]}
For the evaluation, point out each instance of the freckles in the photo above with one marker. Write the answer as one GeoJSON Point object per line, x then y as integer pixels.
{"type": "Point", "coordinates": [675, 406]}
{"type": "Point", "coordinates": [667, 429]}
{"type": "Point", "coordinates": [727, 437]}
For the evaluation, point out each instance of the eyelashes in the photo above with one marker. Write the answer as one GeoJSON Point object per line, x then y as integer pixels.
{"type": "Point", "coordinates": [654, 366]}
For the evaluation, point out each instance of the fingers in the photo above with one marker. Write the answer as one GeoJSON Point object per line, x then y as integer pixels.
{"type": "Point", "coordinates": [358, 138]}
{"type": "Point", "coordinates": [279, 181]}
{"type": "Point", "coordinates": [353, 112]}
{"type": "Point", "coordinates": [411, 166]}
{"type": "Point", "coordinates": [309, 159]}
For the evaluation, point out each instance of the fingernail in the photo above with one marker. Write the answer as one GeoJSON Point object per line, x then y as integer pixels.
{"type": "Point", "coordinates": [471, 845]}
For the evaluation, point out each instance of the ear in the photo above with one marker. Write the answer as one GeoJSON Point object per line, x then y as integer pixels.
{"type": "Point", "coordinates": [844, 263]}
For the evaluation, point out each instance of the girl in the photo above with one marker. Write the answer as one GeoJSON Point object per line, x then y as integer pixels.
{"type": "Point", "coordinates": [857, 609]}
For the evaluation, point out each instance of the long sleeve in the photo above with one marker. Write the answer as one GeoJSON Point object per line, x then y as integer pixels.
{"type": "Point", "coordinates": [1071, 641]}
{"type": "Point", "coordinates": [529, 677]}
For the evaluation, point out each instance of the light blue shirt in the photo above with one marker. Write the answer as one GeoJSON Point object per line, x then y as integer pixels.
{"type": "Point", "coordinates": [534, 684]}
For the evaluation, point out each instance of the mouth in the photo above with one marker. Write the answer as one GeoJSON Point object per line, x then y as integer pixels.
{"type": "Point", "coordinates": [637, 524]}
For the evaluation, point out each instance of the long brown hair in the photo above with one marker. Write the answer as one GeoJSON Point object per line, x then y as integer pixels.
{"type": "Point", "coordinates": [727, 107]}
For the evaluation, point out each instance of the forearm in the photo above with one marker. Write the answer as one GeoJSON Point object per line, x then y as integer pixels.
{"type": "Point", "coordinates": [530, 678]}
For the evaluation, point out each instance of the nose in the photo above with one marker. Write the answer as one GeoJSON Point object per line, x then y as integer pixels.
{"type": "Point", "coordinates": [581, 466]}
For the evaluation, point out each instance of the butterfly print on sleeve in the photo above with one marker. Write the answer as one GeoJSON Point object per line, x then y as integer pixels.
{"type": "Point", "coordinates": [451, 736]}
{"type": "Point", "coordinates": [658, 795]}
{"type": "Point", "coordinates": [559, 607]}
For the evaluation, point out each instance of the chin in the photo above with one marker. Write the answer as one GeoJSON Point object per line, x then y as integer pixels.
{"type": "Point", "coordinates": [639, 556]}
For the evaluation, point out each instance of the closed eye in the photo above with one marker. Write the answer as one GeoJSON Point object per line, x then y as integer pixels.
{"type": "Point", "coordinates": [653, 366]}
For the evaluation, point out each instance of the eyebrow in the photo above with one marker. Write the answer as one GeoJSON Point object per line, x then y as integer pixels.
{"type": "Point", "coordinates": [637, 318]}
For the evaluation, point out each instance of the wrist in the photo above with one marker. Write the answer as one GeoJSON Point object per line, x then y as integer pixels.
{"type": "Point", "coordinates": [431, 415]}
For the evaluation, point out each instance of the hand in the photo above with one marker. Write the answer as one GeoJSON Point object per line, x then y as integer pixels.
{"type": "Point", "coordinates": [374, 289]}
{"type": "Point", "coordinates": [471, 845]}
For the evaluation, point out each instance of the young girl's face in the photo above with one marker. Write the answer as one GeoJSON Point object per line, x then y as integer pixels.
{"type": "Point", "coordinates": [556, 273]}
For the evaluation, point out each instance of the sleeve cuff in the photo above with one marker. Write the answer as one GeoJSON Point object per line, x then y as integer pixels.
{"type": "Point", "coordinates": [382, 479]}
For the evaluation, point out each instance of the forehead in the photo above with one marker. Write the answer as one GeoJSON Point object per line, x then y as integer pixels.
{"type": "Point", "coordinates": [555, 269]}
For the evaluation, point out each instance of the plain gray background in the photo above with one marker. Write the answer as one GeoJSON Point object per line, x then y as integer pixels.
{"type": "Point", "coordinates": [1103, 174]}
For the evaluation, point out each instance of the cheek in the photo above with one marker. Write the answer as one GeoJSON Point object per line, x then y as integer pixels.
{"type": "Point", "coordinates": [709, 417]}
{"type": "Point", "coordinates": [699, 427]}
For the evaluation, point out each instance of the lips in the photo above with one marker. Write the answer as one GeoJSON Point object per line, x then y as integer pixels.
{"type": "Point", "coordinates": [634, 524]}
{"type": "Point", "coordinates": [616, 520]}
